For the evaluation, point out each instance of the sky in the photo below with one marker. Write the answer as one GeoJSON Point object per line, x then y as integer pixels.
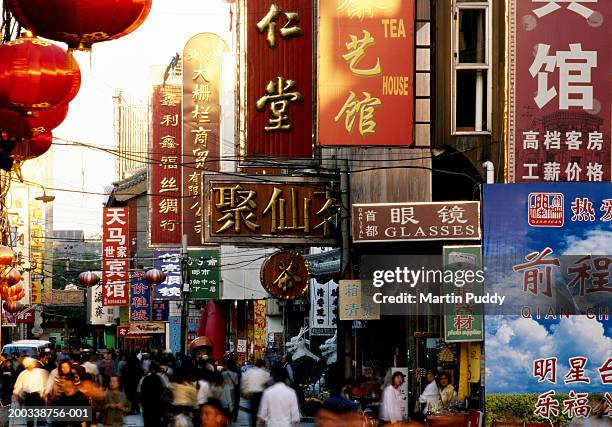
{"type": "Point", "coordinates": [122, 63]}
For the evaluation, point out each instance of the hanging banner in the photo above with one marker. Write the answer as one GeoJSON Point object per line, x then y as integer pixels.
{"type": "Point", "coordinates": [97, 314]}
{"type": "Point", "coordinates": [192, 328]}
{"type": "Point", "coordinates": [462, 321]}
{"type": "Point", "coordinates": [259, 330]}
{"type": "Point", "coordinates": [168, 262]}
{"type": "Point", "coordinates": [115, 263]}
{"type": "Point", "coordinates": [140, 298]}
{"type": "Point", "coordinates": [160, 311]}
{"type": "Point", "coordinates": [174, 323]}
{"type": "Point", "coordinates": [559, 110]}
{"type": "Point", "coordinates": [277, 78]}
{"type": "Point", "coordinates": [9, 320]}
{"type": "Point", "coordinates": [323, 307]}
{"type": "Point", "coordinates": [204, 266]}
{"type": "Point", "coordinates": [201, 124]}
{"type": "Point", "coordinates": [165, 169]}
{"type": "Point", "coordinates": [365, 75]}
{"type": "Point", "coordinates": [36, 252]}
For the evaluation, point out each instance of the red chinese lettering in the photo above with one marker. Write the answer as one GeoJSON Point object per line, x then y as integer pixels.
{"type": "Point", "coordinates": [576, 371]}
{"type": "Point", "coordinates": [543, 368]}
{"type": "Point", "coordinates": [533, 277]}
{"type": "Point", "coordinates": [546, 406]}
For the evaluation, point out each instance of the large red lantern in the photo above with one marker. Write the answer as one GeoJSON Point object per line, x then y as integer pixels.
{"type": "Point", "coordinates": [80, 23]}
{"type": "Point", "coordinates": [36, 75]}
{"type": "Point", "coordinates": [33, 147]}
{"type": "Point", "coordinates": [155, 276]}
{"type": "Point", "coordinates": [32, 124]}
{"type": "Point", "coordinates": [12, 307]}
{"type": "Point", "coordinates": [12, 277]}
{"type": "Point", "coordinates": [7, 255]}
{"type": "Point", "coordinates": [88, 279]}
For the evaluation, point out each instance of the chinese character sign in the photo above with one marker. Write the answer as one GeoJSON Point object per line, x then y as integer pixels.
{"type": "Point", "coordinates": [170, 263]}
{"type": "Point", "coordinates": [323, 306]}
{"type": "Point", "coordinates": [201, 125]}
{"type": "Point", "coordinates": [115, 263]}
{"type": "Point", "coordinates": [166, 165]}
{"type": "Point", "coordinates": [160, 310]}
{"type": "Point", "coordinates": [559, 107]}
{"type": "Point", "coordinates": [204, 266]}
{"type": "Point", "coordinates": [277, 74]}
{"type": "Point", "coordinates": [303, 212]}
{"type": "Point", "coordinates": [366, 68]}
{"type": "Point", "coordinates": [140, 298]}
{"type": "Point", "coordinates": [352, 306]}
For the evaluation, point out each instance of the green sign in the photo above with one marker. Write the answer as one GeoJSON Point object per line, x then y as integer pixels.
{"type": "Point", "coordinates": [463, 322]}
{"type": "Point", "coordinates": [204, 273]}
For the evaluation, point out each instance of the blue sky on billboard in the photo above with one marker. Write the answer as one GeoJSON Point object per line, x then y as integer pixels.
{"type": "Point", "coordinates": [512, 343]}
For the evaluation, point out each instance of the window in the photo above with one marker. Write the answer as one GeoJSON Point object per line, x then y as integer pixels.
{"type": "Point", "coordinates": [471, 63]}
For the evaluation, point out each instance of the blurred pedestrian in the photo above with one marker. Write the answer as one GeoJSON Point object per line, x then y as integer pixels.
{"type": "Point", "coordinates": [254, 382]}
{"type": "Point", "coordinates": [213, 415]}
{"type": "Point", "coordinates": [116, 404]}
{"type": "Point", "coordinates": [279, 403]}
{"type": "Point", "coordinates": [30, 385]}
{"type": "Point", "coordinates": [151, 391]}
{"type": "Point", "coordinates": [7, 378]}
{"type": "Point", "coordinates": [392, 402]}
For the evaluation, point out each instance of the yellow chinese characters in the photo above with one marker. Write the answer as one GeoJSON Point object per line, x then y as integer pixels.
{"type": "Point", "coordinates": [360, 8]}
{"type": "Point", "coordinates": [362, 110]}
{"type": "Point", "coordinates": [279, 94]}
{"type": "Point", "coordinates": [238, 206]}
{"type": "Point", "coordinates": [287, 277]}
{"type": "Point", "coordinates": [268, 24]}
{"type": "Point", "coordinates": [356, 51]}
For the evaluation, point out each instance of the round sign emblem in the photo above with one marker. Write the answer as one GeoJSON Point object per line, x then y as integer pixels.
{"type": "Point", "coordinates": [285, 275]}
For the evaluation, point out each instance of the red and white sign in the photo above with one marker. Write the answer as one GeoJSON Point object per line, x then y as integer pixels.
{"type": "Point", "coordinates": [559, 87]}
{"type": "Point", "coordinates": [26, 316]}
{"type": "Point", "coordinates": [545, 209]}
{"type": "Point", "coordinates": [115, 263]}
{"type": "Point", "coordinates": [122, 331]}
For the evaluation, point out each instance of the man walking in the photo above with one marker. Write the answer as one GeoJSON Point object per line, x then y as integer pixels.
{"type": "Point", "coordinates": [30, 385]}
{"type": "Point", "coordinates": [253, 384]}
{"type": "Point", "coordinates": [279, 404]}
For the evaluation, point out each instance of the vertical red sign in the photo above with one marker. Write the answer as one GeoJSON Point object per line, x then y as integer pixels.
{"type": "Point", "coordinates": [365, 75]}
{"type": "Point", "coordinates": [115, 262]}
{"type": "Point", "coordinates": [277, 69]}
{"type": "Point", "coordinates": [559, 88]}
{"type": "Point", "coordinates": [166, 172]}
{"type": "Point", "coordinates": [201, 124]}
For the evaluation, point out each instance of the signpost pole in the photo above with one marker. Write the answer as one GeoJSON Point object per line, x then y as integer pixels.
{"type": "Point", "coordinates": [184, 291]}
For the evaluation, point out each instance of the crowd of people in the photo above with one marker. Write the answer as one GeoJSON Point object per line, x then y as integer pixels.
{"type": "Point", "coordinates": [181, 391]}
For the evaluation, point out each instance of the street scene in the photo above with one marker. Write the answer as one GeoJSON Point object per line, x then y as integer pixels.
{"type": "Point", "coordinates": [334, 213]}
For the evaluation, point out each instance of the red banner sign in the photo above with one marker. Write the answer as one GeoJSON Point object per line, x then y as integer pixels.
{"type": "Point", "coordinates": [166, 172]}
{"type": "Point", "coordinates": [559, 76]}
{"type": "Point", "coordinates": [365, 76]}
{"type": "Point", "coordinates": [115, 263]}
{"type": "Point", "coordinates": [277, 70]}
{"type": "Point", "coordinates": [25, 316]}
{"type": "Point", "coordinates": [201, 124]}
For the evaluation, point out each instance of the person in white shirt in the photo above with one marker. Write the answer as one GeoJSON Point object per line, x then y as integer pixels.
{"type": "Point", "coordinates": [253, 384]}
{"type": "Point", "coordinates": [90, 368]}
{"type": "Point", "coordinates": [392, 401]}
{"type": "Point", "coordinates": [279, 404]}
{"type": "Point", "coordinates": [30, 385]}
{"type": "Point", "coordinates": [430, 398]}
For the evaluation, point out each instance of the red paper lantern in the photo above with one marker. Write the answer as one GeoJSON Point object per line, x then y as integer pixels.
{"type": "Point", "coordinates": [88, 279]}
{"type": "Point", "coordinates": [32, 148]}
{"type": "Point", "coordinates": [12, 307]}
{"type": "Point", "coordinates": [28, 125]}
{"type": "Point", "coordinates": [12, 277]}
{"type": "Point", "coordinates": [155, 276]}
{"type": "Point", "coordinates": [36, 75]}
{"type": "Point", "coordinates": [80, 23]}
{"type": "Point", "coordinates": [14, 290]}
{"type": "Point", "coordinates": [7, 255]}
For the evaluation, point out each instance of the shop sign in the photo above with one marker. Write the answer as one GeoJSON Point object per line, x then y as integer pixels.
{"type": "Point", "coordinates": [201, 125]}
{"type": "Point", "coordinates": [279, 210]}
{"type": "Point", "coordinates": [115, 263]}
{"type": "Point", "coordinates": [351, 304]}
{"type": "Point", "coordinates": [276, 71]}
{"type": "Point", "coordinates": [204, 267]}
{"type": "Point", "coordinates": [463, 322]}
{"type": "Point", "coordinates": [559, 109]}
{"type": "Point", "coordinates": [142, 328]}
{"type": "Point", "coordinates": [166, 165]}
{"type": "Point", "coordinates": [140, 298]}
{"type": "Point", "coordinates": [396, 222]}
{"type": "Point", "coordinates": [285, 275]}
{"type": "Point", "coordinates": [323, 307]}
{"type": "Point", "coordinates": [26, 316]}
{"type": "Point", "coordinates": [365, 72]}
{"type": "Point", "coordinates": [169, 262]}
